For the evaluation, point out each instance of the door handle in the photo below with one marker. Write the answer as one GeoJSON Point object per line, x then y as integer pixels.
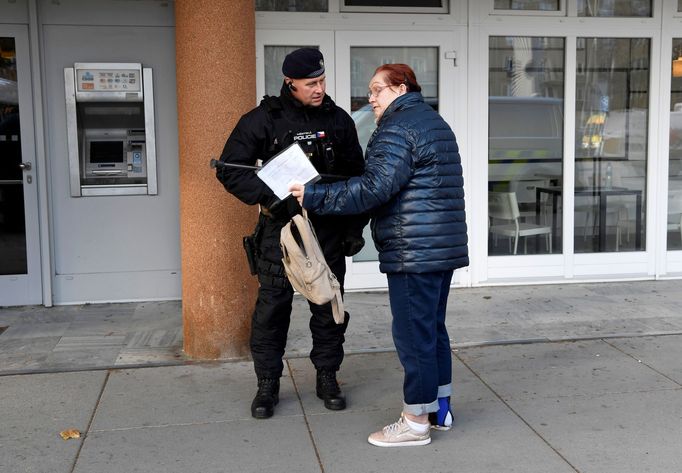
{"type": "Point", "coordinates": [25, 166]}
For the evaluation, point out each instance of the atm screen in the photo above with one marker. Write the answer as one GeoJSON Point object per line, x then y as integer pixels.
{"type": "Point", "coordinates": [106, 152]}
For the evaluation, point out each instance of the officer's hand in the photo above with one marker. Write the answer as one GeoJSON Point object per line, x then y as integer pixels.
{"type": "Point", "coordinates": [352, 245]}
{"type": "Point", "coordinates": [297, 191]}
{"type": "Point", "coordinates": [283, 210]}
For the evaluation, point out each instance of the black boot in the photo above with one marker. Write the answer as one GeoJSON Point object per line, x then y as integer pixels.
{"type": "Point", "coordinates": [267, 397]}
{"type": "Point", "coordinates": [328, 390]}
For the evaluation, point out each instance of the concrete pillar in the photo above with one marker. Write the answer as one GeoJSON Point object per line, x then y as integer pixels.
{"type": "Point", "coordinates": [216, 77]}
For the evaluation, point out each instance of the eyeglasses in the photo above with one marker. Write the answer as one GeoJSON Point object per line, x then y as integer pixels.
{"type": "Point", "coordinates": [376, 91]}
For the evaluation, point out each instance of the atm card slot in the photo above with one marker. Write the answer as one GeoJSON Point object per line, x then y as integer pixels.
{"type": "Point", "coordinates": [110, 172]}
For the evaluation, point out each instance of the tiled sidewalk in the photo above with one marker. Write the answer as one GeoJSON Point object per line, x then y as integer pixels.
{"type": "Point", "coordinates": [79, 337]}
{"type": "Point", "coordinates": [593, 406]}
{"type": "Point", "coordinates": [66, 338]}
{"type": "Point", "coordinates": [571, 378]}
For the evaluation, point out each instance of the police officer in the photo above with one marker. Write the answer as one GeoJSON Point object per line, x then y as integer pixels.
{"type": "Point", "coordinates": [302, 114]}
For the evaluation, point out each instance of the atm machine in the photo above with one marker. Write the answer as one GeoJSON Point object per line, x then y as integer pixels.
{"type": "Point", "coordinates": [110, 126]}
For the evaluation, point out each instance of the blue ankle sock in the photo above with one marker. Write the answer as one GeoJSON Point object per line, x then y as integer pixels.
{"type": "Point", "coordinates": [443, 409]}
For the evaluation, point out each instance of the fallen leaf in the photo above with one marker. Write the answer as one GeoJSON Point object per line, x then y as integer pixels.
{"type": "Point", "coordinates": [70, 434]}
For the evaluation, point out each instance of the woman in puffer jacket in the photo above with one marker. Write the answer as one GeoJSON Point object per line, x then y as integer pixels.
{"type": "Point", "coordinates": [413, 189]}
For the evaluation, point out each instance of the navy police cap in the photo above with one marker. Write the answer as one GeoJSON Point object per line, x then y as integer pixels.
{"type": "Point", "coordinates": [304, 63]}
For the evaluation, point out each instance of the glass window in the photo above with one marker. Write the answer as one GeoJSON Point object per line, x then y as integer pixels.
{"type": "Point", "coordinates": [12, 221]}
{"type": "Point", "coordinates": [525, 144]}
{"type": "Point", "coordinates": [612, 107]}
{"type": "Point", "coordinates": [293, 5]}
{"type": "Point", "coordinates": [393, 3]}
{"type": "Point", "coordinates": [365, 60]}
{"type": "Point", "coordinates": [674, 220]}
{"type": "Point", "coordinates": [273, 59]}
{"type": "Point", "coordinates": [418, 6]}
{"type": "Point", "coordinates": [536, 5]}
{"type": "Point", "coordinates": [612, 8]}
{"type": "Point", "coordinates": [363, 63]}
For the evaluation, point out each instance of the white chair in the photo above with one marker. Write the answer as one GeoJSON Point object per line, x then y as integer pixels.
{"type": "Point", "coordinates": [614, 212]}
{"type": "Point", "coordinates": [526, 198]}
{"type": "Point", "coordinates": [503, 208]}
{"type": "Point", "coordinates": [623, 222]}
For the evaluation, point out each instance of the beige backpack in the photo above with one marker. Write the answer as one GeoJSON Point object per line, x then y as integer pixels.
{"type": "Point", "coordinates": [306, 267]}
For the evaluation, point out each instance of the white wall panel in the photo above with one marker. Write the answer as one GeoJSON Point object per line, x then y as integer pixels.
{"type": "Point", "coordinates": [128, 236]}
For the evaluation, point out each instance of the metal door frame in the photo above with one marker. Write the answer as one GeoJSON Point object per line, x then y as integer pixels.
{"type": "Point", "coordinates": [26, 289]}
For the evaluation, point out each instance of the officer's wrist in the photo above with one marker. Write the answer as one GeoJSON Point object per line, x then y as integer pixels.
{"type": "Point", "coordinates": [265, 211]}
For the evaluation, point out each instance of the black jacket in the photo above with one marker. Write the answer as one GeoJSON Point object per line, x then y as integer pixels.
{"type": "Point", "coordinates": [271, 127]}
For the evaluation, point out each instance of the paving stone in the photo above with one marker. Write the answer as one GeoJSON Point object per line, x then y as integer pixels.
{"type": "Point", "coordinates": [150, 356]}
{"type": "Point", "coordinates": [27, 344]}
{"type": "Point", "coordinates": [280, 444]}
{"type": "Point", "coordinates": [630, 432]}
{"type": "Point", "coordinates": [200, 393]}
{"type": "Point", "coordinates": [36, 330]}
{"type": "Point", "coordinates": [486, 437]}
{"type": "Point", "coordinates": [35, 409]}
{"type": "Point", "coordinates": [374, 381]}
{"type": "Point", "coordinates": [560, 369]}
{"type": "Point", "coordinates": [662, 354]}
{"type": "Point", "coordinates": [89, 342]}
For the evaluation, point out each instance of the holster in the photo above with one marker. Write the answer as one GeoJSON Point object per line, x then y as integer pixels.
{"type": "Point", "coordinates": [249, 242]}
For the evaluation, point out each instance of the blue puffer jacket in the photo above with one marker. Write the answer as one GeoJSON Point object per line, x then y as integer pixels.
{"type": "Point", "coordinates": [413, 188]}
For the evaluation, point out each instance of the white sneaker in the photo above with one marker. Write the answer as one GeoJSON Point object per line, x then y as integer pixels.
{"type": "Point", "coordinates": [399, 434]}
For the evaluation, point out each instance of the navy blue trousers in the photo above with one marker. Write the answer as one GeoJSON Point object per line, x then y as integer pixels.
{"type": "Point", "coordinates": [418, 303]}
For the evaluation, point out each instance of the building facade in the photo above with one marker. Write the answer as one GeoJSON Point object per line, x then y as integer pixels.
{"type": "Point", "coordinates": [568, 115]}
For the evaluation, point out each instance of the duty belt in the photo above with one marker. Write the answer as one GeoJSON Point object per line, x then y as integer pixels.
{"type": "Point", "coordinates": [272, 274]}
{"type": "Point", "coordinates": [267, 267]}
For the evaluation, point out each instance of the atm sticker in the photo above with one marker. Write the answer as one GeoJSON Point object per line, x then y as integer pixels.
{"type": "Point", "coordinates": [87, 85]}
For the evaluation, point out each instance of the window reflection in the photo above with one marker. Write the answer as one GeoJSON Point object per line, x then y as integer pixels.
{"type": "Point", "coordinates": [12, 220]}
{"type": "Point", "coordinates": [365, 60]}
{"type": "Point", "coordinates": [363, 63]}
{"type": "Point", "coordinates": [612, 106]}
{"type": "Point", "coordinates": [525, 144]}
{"type": "Point", "coordinates": [537, 5]}
{"type": "Point", "coordinates": [395, 3]}
{"type": "Point", "coordinates": [292, 5]}
{"type": "Point", "coordinates": [273, 59]}
{"type": "Point", "coordinates": [674, 220]}
{"type": "Point", "coordinates": [615, 8]}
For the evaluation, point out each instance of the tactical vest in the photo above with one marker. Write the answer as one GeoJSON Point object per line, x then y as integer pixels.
{"type": "Point", "coordinates": [317, 143]}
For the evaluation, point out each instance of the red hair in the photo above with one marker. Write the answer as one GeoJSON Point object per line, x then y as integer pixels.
{"type": "Point", "coordinates": [396, 74]}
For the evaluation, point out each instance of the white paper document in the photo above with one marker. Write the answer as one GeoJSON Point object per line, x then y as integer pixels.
{"type": "Point", "coordinates": [288, 167]}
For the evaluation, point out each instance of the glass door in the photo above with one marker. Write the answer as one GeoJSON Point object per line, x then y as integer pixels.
{"type": "Point", "coordinates": [525, 144]}
{"type": "Point", "coordinates": [20, 282]}
{"type": "Point", "coordinates": [438, 60]}
{"type": "Point", "coordinates": [568, 156]}
{"type": "Point", "coordinates": [273, 46]}
{"type": "Point", "coordinates": [612, 114]}
{"type": "Point", "coordinates": [672, 222]}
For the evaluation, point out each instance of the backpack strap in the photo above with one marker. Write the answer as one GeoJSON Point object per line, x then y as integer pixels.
{"type": "Point", "coordinates": [306, 267]}
{"type": "Point", "coordinates": [312, 247]}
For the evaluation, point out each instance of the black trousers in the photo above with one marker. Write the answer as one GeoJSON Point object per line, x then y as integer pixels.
{"type": "Point", "coordinates": [271, 317]}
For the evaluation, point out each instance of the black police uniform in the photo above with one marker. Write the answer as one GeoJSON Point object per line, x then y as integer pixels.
{"type": "Point", "coordinates": [327, 134]}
